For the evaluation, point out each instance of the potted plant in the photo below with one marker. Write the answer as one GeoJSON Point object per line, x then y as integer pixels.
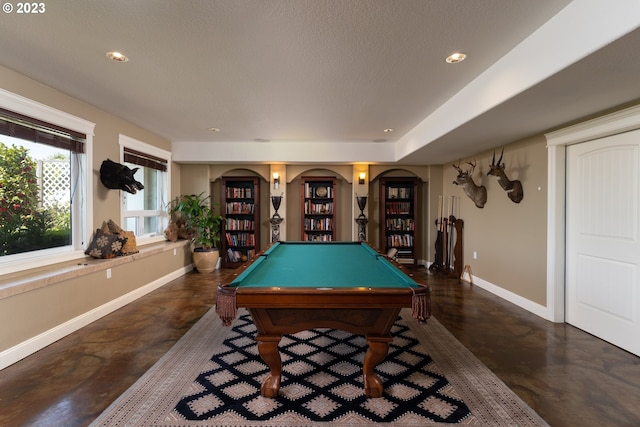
{"type": "Point", "coordinates": [197, 212]}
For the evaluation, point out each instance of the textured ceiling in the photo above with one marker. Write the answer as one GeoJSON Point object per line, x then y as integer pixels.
{"type": "Point", "coordinates": [328, 76]}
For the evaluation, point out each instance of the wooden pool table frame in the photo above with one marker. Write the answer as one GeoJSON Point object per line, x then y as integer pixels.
{"type": "Point", "coordinates": [364, 311]}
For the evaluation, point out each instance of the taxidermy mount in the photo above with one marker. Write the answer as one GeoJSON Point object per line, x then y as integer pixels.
{"type": "Point", "coordinates": [119, 177]}
{"type": "Point", "coordinates": [477, 193]}
{"type": "Point", "coordinates": [513, 188]}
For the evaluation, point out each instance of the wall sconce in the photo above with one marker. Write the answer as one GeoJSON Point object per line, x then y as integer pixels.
{"type": "Point", "coordinates": [276, 180]}
{"type": "Point", "coordinates": [363, 175]}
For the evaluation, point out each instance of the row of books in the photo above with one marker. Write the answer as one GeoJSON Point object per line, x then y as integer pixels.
{"type": "Point", "coordinates": [318, 237]}
{"type": "Point", "coordinates": [401, 224]}
{"type": "Point", "coordinates": [317, 191]}
{"type": "Point", "coordinates": [318, 224]}
{"type": "Point", "coordinates": [397, 208]}
{"type": "Point", "coordinates": [405, 257]}
{"type": "Point", "coordinates": [240, 239]}
{"type": "Point", "coordinates": [396, 240]}
{"type": "Point", "coordinates": [318, 208]}
{"type": "Point", "coordinates": [239, 224]}
{"type": "Point", "coordinates": [399, 192]}
{"type": "Point", "coordinates": [239, 193]}
{"type": "Point", "coordinates": [239, 208]}
{"type": "Point", "coordinates": [237, 256]}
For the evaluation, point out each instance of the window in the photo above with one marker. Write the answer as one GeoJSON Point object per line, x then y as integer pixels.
{"type": "Point", "coordinates": [145, 213]}
{"type": "Point", "coordinates": [44, 183]}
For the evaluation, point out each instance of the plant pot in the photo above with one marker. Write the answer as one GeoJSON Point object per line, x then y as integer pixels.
{"type": "Point", "coordinates": [206, 260]}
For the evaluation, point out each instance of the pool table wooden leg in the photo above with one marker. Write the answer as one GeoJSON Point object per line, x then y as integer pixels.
{"type": "Point", "coordinates": [377, 351]}
{"type": "Point", "coordinates": [268, 350]}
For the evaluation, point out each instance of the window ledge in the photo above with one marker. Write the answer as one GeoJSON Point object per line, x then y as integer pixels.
{"type": "Point", "coordinates": [28, 280]}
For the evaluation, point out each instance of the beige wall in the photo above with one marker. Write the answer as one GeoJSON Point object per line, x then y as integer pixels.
{"type": "Point", "coordinates": [106, 203]}
{"type": "Point", "coordinates": [36, 311]}
{"type": "Point", "coordinates": [434, 189]}
{"type": "Point", "coordinates": [194, 179]}
{"type": "Point", "coordinates": [509, 238]}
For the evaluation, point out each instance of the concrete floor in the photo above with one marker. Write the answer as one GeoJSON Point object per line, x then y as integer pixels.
{"type": "Point", "coordinates": [569, 377]}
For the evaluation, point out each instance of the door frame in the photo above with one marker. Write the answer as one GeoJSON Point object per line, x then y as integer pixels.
{"type": "Point", "coordinates": [621, 121]}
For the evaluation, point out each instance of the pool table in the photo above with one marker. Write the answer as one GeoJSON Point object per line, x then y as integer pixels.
{"type": "Point", "coordinates": [294, 286]}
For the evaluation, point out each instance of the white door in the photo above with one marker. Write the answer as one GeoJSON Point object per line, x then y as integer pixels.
{"type": "Point", "coordinates": [603, 246]}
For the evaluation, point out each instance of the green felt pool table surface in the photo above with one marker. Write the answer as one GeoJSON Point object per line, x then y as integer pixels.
{"type": "Point", "coordinates": [322, 265]}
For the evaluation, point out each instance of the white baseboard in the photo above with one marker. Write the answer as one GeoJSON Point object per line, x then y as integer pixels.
{"type": "Point", "coordinates": [535, 308]}
{"type": "Point", "coordinates": [38, 342]}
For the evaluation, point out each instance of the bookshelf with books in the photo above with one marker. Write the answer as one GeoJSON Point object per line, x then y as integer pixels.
{"type": "Point", "coordinates": [318, 209]}
{"type": "Point", "coordinates": [241, 209]}
{"type": "Point", "coordinates": [398, 214]}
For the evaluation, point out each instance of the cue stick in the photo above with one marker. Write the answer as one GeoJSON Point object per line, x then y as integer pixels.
{"type": "Point", "coordinates": [450, 234]}
{"type": "Point", "coordinates": [443, 224]}
{"type": "Point", "coordinates": [438, 256]}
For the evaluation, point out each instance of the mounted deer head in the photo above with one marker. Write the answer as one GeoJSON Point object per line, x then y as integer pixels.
{"type": "Point", "coordinates": [465, 179]}
{"type": "Point", "coordinates": [513, 188]}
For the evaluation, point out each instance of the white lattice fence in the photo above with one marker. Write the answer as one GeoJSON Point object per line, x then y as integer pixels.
{"type": "Point", "coordinates": [56, 182]}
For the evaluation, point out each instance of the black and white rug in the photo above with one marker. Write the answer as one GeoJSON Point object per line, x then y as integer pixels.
{"type": "Point", "coordinates": [322, 381]}
{"type": "Point", "coordinates": [212, 377]}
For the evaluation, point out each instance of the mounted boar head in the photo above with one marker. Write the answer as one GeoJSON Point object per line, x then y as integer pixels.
{"type": "Point", "coordinates": [119, 177]}
{"type": "Point", "coordinates": [465, 179]}
{"type": "Point", "coordinates": [513, 188]}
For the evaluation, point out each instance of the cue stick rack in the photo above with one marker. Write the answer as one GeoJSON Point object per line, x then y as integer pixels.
{"type": "Point", "coordinates": [448, 247]}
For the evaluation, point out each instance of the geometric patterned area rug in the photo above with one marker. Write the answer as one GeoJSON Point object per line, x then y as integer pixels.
{"type": "Point", "coordinates": [321, 381]}
{"type": "Point", "coordinates": [212, 377]}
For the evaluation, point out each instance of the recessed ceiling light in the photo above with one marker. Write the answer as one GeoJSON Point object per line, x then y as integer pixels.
{"type": "Point", "coordinates": [117, 56]}
{"type": "Point", "coordinates": [214, 129]}
{"type": "Point", "coordinates": [389, 130]}
{"type": "Point", "coordinates": [455, 58]}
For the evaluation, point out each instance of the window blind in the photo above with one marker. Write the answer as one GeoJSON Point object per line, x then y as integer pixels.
{"type": "Point", "coordinates": [24, 127]}
{"type": "Point", "coordinates": [143, 159]}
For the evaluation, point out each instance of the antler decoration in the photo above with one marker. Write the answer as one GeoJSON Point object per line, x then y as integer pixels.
{"type": "Point", "coordinates": [513, 188]}
{"type": "Point", "coordinates": [477, 193]}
